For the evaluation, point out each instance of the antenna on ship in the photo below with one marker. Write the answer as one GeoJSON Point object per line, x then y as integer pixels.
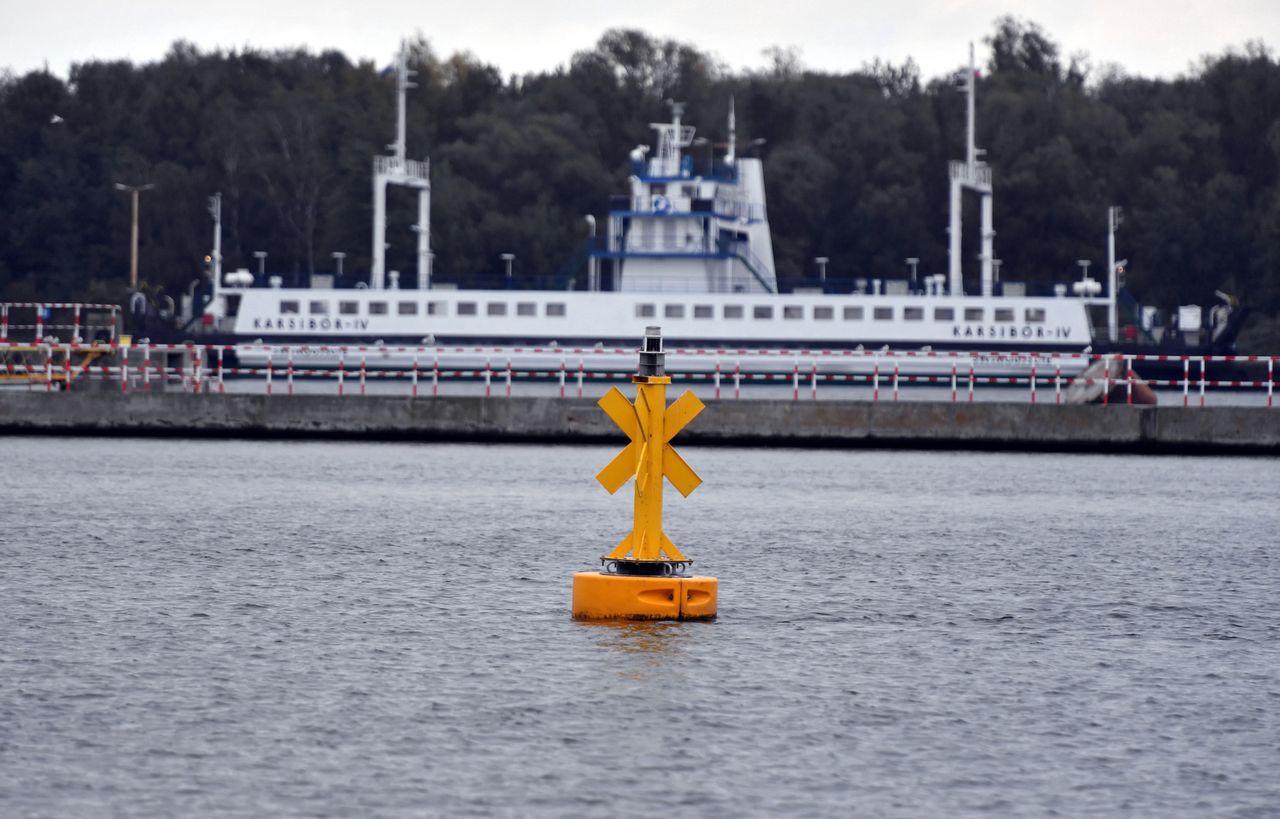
{"type": "Point", "coordinates": [730, 157]}
{"type": "Point", "coordinates": [972, 174]}
{"type": "Point", "coordinates": [396, 170]}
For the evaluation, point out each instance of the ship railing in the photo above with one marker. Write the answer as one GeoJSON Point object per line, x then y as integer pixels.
{"type": "Point", "coordinates": [716, 372]}
{"type": "Point", "coordinates": [978, 175]}
{"type": "Point", "coordinates": [402, 168]}
{"type": "Point", "coordinates": [729, 208]}
{"type": "Point", "coordinates": [763, 275]}
{"type": "Point", "coordinates": [74, 322]}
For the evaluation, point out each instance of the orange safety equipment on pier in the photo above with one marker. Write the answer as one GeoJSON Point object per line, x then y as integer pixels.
{"type": "Point", "coordinates": [643, 576]}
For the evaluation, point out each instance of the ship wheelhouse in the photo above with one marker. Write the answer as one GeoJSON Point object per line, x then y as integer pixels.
{"type": "Point", "coordinates": [684, 229]}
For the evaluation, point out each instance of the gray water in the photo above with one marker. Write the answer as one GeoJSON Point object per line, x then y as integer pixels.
{"type": "Point", "coordinates": [324, 629]}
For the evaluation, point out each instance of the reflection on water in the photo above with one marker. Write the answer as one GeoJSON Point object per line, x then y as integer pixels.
{"type": "Point", "coordinates": [660, 641]}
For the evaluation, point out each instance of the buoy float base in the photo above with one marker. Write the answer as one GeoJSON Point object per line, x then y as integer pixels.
{"type": "Point", "coordinates": [602, 596]}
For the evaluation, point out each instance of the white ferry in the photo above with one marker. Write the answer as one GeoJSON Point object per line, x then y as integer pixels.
{"type": "Point", "coordinates": [689, 251]}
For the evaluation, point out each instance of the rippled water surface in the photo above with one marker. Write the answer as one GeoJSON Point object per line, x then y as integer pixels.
{"type": "Point", "coordinates": [328, 629]}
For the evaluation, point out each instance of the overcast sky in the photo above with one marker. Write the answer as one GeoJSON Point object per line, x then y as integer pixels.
{"type": "Point", "coordinates": [1148, 37]}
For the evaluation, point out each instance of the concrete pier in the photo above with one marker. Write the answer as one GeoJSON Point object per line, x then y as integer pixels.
{"type": "Point", "coordinates": [982, 426]}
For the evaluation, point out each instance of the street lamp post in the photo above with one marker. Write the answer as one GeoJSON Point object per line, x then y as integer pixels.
{"type": "Point", "coordinates": [134, 190]}
{"type": "Point", "coordinates": [508, 258]}
{"type": "Point", "coordinates": [261, 256]}
{"type": "Point", "coordinates": [821, 261]}
{"type": "Point", "coordinates": [338, 256]}
{"type": "Point", "coordinates": [593, 274]}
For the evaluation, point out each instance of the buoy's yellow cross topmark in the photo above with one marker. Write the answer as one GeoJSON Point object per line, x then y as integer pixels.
{"type": "Point", "coordinates": [649, 456]}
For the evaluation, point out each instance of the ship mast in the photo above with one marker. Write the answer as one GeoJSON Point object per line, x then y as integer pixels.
{"type": "Point", "coordinates": [396, 170]}
{"type": "Point", "coordinates": [975, 175]}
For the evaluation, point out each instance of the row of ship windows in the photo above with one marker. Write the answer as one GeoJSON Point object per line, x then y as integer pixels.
{"type": "Point", "coordinates": [824, 312]}
{"type": "Point", "coordinates": [1032, 315]}
{"type": "Point", "coordinates": [553, 309]}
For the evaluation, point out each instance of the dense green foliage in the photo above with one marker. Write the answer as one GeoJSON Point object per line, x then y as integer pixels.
{"type": "Point", "coordinates": [856, 163]}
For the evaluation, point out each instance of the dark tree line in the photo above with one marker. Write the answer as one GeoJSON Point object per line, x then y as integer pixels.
{"type": "Point", "coordinates": [856, 163]}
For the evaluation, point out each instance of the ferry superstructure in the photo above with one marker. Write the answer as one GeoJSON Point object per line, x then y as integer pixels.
{"type": "Point", "coordinates": [690, 251]}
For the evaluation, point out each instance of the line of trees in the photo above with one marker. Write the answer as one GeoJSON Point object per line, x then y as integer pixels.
{"type": "Point", "coordinates": [856, 163]}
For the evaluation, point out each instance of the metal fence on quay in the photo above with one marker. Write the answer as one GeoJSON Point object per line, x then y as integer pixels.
{"type": "Point", "coordinates": [719, 374]}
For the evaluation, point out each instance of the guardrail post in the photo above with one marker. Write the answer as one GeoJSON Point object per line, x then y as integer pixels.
{"type": "Point", "coordinates": [581, 370]}
{"type": "Point", "coordinates": [1271, 380]}
{"type": "Point", "coordinates": [1033, 380]}
{"type": "Point", "coordinates": [795, 379]}
{"type": "Point", "coordinates": [221, 387]}
{"type": "Point", "coordinates": [813, 381]}
{"type": "Point", "coordinates": [1202, 380]}
{"type": "Point", "coordinates": [362, 369]}
{"type": "Point", "coordinates": [414, 391]}
{"type": "Point", "coordinates": [270, 351]}
{"type": "Point", "coordinates": [342, 368]}
{"type": "Point", "coordinates": [289, 376]}
{"type": "Point", "coordinates": [875, 379]}
{"type": "Point", "coordinates": [508, 376]}
{"type": "Point", "coordinates": [970, 379]}
{"type": "Point", "coordinates": [146, 368]}
{"type": "Point", "coordinates": [435, 374]}
{"type": "Point", "coordinates": [562, 374]}
{"type": "Point", "coordinates": [1186, 381]}
{"type": "Point", "coordinates": [737, 379]}
{"type": "Point", "coordinates": [1106, 382]}
{"type": "Point", "coordinates": [896, 368]}
{"type": "Point", "coordinates": [488, 377]}
{"type": "Point", "coordinates": [1057, 379]}
{"type": "Point", "coordinates": [953, 380]}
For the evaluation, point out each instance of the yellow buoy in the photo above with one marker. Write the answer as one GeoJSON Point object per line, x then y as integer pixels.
{"type": "Point", "coordinates": [643, 577]}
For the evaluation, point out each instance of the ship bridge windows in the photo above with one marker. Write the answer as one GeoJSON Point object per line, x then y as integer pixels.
{"type": "Point", "coordinates": [407, 308]}
{"type": "Point", "coordinates": [703, 311]}
{"type": "Point", "coordinates": [882, 313]}
{"type": "Point", "coordinates": [318, 308]}
{"type": "Point", "coordinates": [438, 308]}
{"type": "Point", "coordinates": [466, 308]}
{"type": "Point", "coordinates": [944, 314]}
{"type": "Point", "coordinates": [973, 314]}
{"type": "Point", "coordinates": [673, 311]}
{"type": "Point", "coordinates": [852, 314]}
{"type": "Point", "coordinates": [1035, 315]}
{"type": "Point", "coordinates": [824, 312]}
{"type": "Point", "coordinates": [762, 311]}
{"type": "Point", "coordinates": [349, 308]}
{"type": "Point", "coordinates": [792, 311]}
{"type": "Point", "coordinates": [913, 314]}
{"type": "Point", "coordinates": [556, 309]}
{"type": "Point", "coordinates": [377, 308]}
{"type": "Point", "coordinates": [496, 308]}
{"type": "Point", "coordinates": [289, 307]}
{"type": "Point", "coordinates": [526, 308]}
{"type": "Point", "coordinates": [1004, 314]}
{"type": "Point", "coordinates": [646, 311]}
{"type": "Point", "coordinates": [733, 311]}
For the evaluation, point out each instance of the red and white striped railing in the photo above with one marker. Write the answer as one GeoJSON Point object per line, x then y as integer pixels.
{"type": "Point", "coordinates": [207, 368]}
